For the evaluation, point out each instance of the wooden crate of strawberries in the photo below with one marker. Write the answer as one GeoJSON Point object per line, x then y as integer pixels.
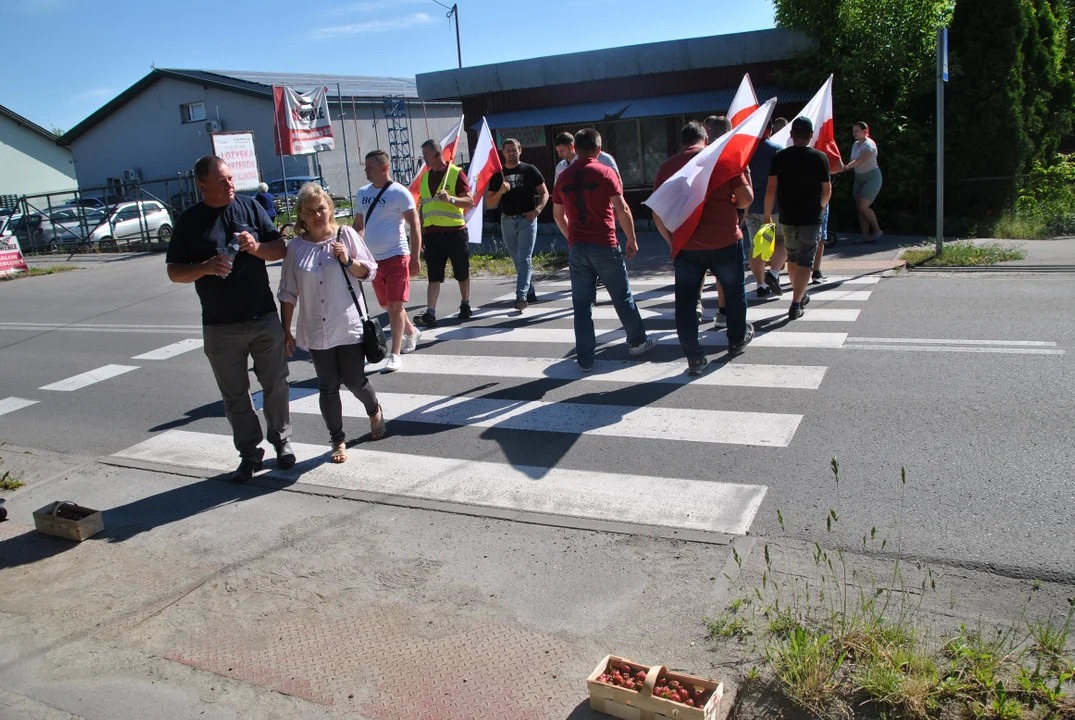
{"type": "Point", "coordinates": [631, 691]}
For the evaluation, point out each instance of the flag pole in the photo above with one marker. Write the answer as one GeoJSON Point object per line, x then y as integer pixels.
{"type": "Point", "coordinates": [346, 158]}
{"type": "Point", "coordinates": [280, 147]}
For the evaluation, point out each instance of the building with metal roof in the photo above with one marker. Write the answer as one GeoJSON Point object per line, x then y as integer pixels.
{"type": "Point", "coordinates": [30, 159]}
{"type": "Point", "coordinates": [638, 97]}
{"type": "Point", "coordinates": [160, 125]}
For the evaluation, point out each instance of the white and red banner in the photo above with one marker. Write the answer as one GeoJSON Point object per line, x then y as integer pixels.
{"type": "Point", "coordinates": [679, 201]}
{"type": "Point", "coordinates": [11, 260]}
{"type": "Point", "coordinates": [237, 150]}
{"type": "Point", "coordinates": [448, 145]}
{"type": "Point", "coordinates": [744, 103]}
{"type": "Point", "coordinates": [303, 125]}
{"type": "Point", "coordinates": [484, 164]}
{"type": "Point", "coordinates": [819, 110]}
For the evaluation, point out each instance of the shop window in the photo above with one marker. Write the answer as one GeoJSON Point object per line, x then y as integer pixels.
{"type": "Point", "coordinates": [660, 140]}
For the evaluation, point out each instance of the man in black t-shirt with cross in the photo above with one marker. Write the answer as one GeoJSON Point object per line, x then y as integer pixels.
{"type": "Point", "coordinates": [239, 317]}
{"type": "Point", "coordinates": [520, 192]}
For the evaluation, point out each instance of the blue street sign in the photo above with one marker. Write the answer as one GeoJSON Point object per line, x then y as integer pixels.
{"type": "Point", "coordinates": [944, 54]}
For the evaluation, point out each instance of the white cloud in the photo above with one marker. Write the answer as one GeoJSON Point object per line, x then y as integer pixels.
{"type": "Point", "coordinates": [371, 26]}
{"type": "Point", "coordinates": [368, 6]}
{"type": "Point", "coordinates": [93, 94]}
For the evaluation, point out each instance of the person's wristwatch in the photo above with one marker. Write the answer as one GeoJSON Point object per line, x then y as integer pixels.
{"type": "Point", "coordinates": [350, 262]}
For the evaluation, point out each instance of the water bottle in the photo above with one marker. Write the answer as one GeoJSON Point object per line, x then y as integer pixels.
{"type": "Point", "coordinates": [232, 248]}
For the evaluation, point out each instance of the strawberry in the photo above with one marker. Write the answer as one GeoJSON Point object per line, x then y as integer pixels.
{"type": "Point", "coordinates": [641, 675]}
{"type": "Point", "coordinates": [688, 702]}
{"type": "Point", "coordinates": [683, 695]}
{"type": "Point", "coordinates": [603, 678]}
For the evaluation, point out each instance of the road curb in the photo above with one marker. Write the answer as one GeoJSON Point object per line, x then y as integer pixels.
{"type": "Point", "coordinates": [992, 269]}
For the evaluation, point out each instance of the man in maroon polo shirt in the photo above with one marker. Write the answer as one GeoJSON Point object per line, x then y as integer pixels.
{"type": "Point", "coordinates": [587, 202]}
{"type": "Point", "coordinates": [717, 246]}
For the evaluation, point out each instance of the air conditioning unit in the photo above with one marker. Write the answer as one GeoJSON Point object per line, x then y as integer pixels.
{"type": "Point", "coordinates": [131, 174]}
{"type": "Point", "coordinates": [213, 126]}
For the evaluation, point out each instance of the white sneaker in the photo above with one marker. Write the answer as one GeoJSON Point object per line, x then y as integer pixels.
{"type": "Point", "coordinates": [395, 362]}
{"type": "Point", "coordinates": [410, 342]}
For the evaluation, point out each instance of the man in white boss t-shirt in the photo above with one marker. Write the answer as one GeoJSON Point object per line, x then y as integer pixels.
{"type": "Point", "coordinates": [565, 149]}
{"type": "Point", "coordinates": [382, 210]}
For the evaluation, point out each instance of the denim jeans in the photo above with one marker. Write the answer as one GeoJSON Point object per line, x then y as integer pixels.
{"type": "Point", "coordinates": [589, 262]}
{"type": "Point", "coordinates": [726, 264]}
{"type": "Point", "coordinates": [520, 235]}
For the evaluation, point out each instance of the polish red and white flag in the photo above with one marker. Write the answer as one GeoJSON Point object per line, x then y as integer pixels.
{"type": "Point", "coordinates": [819, 111]}
{"type": "Point", "coordinates": [744, 103]}
{"type": "Point", "coordinates": [449, 143]}
{"type": "Point", "coordinates": [484, 164]}
{"type": "Point", "coordinates": [680, 199]}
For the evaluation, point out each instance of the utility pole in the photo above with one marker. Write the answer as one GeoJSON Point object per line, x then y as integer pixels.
{"type": "Point", "coordinates": [942, 78]}
{"type": "Point", "coordinates": [453, 11]}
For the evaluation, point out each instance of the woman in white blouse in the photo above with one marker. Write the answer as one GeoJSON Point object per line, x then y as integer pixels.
{"type": "Point", "coordinates": [329, 324]}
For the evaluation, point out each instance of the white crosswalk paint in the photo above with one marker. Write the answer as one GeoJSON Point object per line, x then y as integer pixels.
{"type": "Point", "coordinates": [11, 404]}
{"type": "Point", "coordinates": [170, 351]}
{"type": "Point", "coordinates": [650, 423]}
{"type": "Point", "coordinates": [86, 379]}
{"type": "Point", "coordinates": [801, 377]}
{"type": "Point", "coordinates": [139, 330]}
{"type": "Point", "coordinates": [689, 504]}
{"type": "Point", "coordinates": [953, 341]}
{"type": "Point", "coordinates": [566, 336]}
{"type": "Point", "coordinates": [607, 312]}
{"type": "Point", "coordinates": [562, 288]}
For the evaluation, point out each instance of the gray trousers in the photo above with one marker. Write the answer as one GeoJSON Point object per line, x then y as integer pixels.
{"type": "Point", "coordinates": [342, 365]}
{"type": "Point", "coordinates": [229, 349]}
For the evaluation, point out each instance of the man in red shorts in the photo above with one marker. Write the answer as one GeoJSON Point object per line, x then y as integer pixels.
{"type": "Point", "coordinates": [383, 208]}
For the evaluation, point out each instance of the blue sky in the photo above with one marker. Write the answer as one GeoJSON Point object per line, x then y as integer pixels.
{"type": "Point", "coordinates": [66, 58]}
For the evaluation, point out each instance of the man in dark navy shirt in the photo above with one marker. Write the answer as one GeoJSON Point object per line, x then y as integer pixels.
{"type": "Point", "coordinates": [239, 317]}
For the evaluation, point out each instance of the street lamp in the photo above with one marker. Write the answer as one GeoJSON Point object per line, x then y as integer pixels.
{"type": "Point", "coordinates": [454, 10]}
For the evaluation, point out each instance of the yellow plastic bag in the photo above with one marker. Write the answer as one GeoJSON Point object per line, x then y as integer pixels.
{"type": "Point", "coordinates": [765, 241]}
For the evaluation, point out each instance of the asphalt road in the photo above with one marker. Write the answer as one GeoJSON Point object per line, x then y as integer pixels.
{"type": "Point", "coordinates": [983, 429]}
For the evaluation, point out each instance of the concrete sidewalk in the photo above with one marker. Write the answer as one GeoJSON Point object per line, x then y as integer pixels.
{"type": "Point", "coordinates": [206, 599]}
{"type": "Point", "coordinates": [202, 598]}
{"type": "Point", "coordinates": [1058, 252]}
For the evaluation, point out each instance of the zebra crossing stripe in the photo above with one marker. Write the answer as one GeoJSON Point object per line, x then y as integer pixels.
{"type": "Point", "coordinates": [566, 336]}
{"type": "Point", "coordinates": [561, 289]}
{"type": "Point", "coordinates": [606, 312]}
{"type": "Point", "coordinates": [737, 374]}
{"type": "Point", "coordinates": [648, 423]}
{"type": "Point", "coordinates": [705, 506]}
{"type": "Point", "coordinates": [170, 351]}
{"type": "Point", "coordinates": [86, 379]}
{"type": "Point", "coordinates": [11, 404]}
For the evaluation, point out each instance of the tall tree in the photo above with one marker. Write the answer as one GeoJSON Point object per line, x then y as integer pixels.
{"type": "Point", "coordinates": [882, 53]}
{"type": "Point", "coordinates": [989, 135]}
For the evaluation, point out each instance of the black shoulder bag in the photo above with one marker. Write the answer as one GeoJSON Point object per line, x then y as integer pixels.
{"type": "Point", "coordinates": [374, 343]}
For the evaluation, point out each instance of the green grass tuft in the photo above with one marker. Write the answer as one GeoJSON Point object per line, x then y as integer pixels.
{"type": "Point", "coordinates": [963, 254]}
{"type": "Point", "coordinates": [38, 271]}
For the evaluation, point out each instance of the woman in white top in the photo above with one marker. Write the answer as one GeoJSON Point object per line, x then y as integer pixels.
{"type": "Point", "coordinates": [867, 180]}
{"type": "Point", "coordinates": [329, 324]}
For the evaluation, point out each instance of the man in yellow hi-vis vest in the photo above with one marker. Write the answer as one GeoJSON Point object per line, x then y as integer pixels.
{"type": "Point", "coordinates": [444, 198]}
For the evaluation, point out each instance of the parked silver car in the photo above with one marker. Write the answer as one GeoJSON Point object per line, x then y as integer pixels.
{"type": "Point", "coordinates": [133, 221]}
